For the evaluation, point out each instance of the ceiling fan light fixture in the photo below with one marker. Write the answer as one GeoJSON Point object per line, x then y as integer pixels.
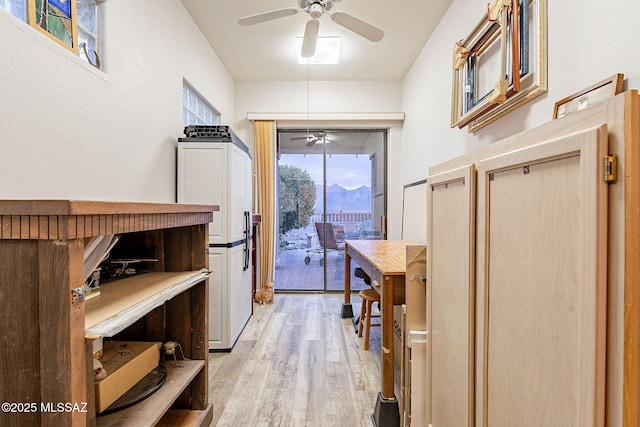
{"type": "Point", "coordinates": [315, 10]}
{"type": "Point", "coordinates": [327, 51]}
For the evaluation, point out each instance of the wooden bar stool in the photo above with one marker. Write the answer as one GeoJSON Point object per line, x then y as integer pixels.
{"type": "Point", "coordinates": [369, 296]}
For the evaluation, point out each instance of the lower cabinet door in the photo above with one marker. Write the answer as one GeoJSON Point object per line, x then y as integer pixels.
{"type": "Point", "coordinates": [229, 296]}
{"type": "Point", "coordinates": [450, 304]}
{"type": "Point", "coordinates": [541, 291]}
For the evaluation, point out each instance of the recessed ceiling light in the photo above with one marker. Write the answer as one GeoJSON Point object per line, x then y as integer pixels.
{"type": "Point", "coordinates": [327, 51]}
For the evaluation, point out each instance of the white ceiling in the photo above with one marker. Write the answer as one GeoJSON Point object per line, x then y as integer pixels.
{"type": "Point", "coordinates": [266, 51]}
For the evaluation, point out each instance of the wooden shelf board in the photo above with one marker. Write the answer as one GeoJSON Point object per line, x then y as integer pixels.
{"type": "Point", "coordinates": [124, 301]}
{"type": "Point", "coordinates": [151, 410]}
{"type": "Point", "coordinates": [187, 418]}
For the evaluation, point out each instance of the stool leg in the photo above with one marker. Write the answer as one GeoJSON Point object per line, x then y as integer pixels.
{"type": "Point", "coordinates": [361, 322]}
{"type": "Point", "coordinates": [368, 327]}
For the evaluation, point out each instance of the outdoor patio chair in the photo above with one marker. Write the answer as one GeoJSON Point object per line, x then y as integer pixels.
{"type": "Point", "coordinates": [328, 241]}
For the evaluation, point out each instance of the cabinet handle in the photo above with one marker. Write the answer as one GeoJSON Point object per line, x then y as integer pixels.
{"type": "Point", "coordinates": [247, 237]}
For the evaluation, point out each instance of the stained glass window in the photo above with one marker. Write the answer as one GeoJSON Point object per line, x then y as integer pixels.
{"type": "Point", "coordinates": [71, 23]}
{"type": "Point", "coordinates": [56, 18]}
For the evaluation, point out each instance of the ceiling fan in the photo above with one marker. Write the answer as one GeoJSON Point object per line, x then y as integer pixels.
{"type": "Point", "coordinates": [314, 138]}
{"type": "Point", "coordinates": [315, 9]}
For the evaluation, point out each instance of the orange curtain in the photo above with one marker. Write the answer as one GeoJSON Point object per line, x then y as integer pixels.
{"type": "Point", "coordinates": [264, 132]}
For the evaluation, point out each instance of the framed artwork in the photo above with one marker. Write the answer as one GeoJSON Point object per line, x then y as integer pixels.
{"type": "Point", "coordinates": [501, 64]}
{"type": "Point", "coordinates": [589, 96]}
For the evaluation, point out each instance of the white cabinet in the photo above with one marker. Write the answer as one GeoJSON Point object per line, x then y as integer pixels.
{"type": "Point", "coordinates": [220, 172]}
{"type": "Point", "coordinates": [228, 294]}
{"type": "Point", "coordinates": [217, 172]}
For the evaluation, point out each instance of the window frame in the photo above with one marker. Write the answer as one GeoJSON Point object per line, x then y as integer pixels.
{"type": "Point", "coordinates": [215, 114]}
{"type": "Point", "coordinates": [75, 26]}
{"type": "Point", "coordinates": [83, 53]}
{"type": "Point", "coordinates": [73, 30]}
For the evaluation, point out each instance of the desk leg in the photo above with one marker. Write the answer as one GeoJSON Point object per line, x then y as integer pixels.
{"type": "Point", "coordinates": [387, 410]}
{"type": "Point", "coordinates": [386, 413]}
{"type": "Point", "coordinates": [347, 310]}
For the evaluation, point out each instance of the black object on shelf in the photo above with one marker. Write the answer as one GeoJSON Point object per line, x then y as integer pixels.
{"type": "Point", "coordinates": [143, 389]}
{"type": "Point", "coordinates": [213, 133]}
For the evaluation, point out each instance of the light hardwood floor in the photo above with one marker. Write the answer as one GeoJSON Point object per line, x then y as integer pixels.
{"type": "Point", "coordinates": [297, 363]}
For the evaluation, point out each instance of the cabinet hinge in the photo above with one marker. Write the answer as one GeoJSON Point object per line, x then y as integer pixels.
{"type": "Point", "coordinates": [611, 169]}
{"type": "Point", "coordinates": [77, 295]}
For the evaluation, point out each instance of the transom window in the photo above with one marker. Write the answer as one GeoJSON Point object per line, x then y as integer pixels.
{"type": "Point", "coordinates": [87, 13]}
{"type": "Point", "coordinates": [196, 110]}
{"type": "Point", "coordinates": [72, 24]}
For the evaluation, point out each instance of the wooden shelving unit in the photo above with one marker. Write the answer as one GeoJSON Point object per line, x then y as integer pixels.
{"type": "Point", "coordinates": [46, 329]}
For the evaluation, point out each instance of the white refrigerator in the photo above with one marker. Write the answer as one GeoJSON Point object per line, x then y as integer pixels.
{"type": "Point", "coordinates": [211, 171]}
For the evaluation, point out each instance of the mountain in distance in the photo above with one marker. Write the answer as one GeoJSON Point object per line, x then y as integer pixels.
{"type": "Point", "coordinates": [339, 199]}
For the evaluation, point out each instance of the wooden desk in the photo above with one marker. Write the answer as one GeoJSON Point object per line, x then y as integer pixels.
{"type": "Point", "coordinates": [385, 263]}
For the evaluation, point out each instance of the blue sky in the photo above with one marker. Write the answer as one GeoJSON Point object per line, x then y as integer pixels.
{"type": "Point", "coordinates": [348, 170]}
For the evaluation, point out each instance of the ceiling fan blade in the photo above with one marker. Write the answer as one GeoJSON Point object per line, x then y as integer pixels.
{"type": "Point", "coordinates": [310, 38]}
{"type": "Point", "coordinates": [311, 143]}
{"type": "Point", "coordinates": [267, 16]}
{"type": "Point", "coordinates": [367, 31]}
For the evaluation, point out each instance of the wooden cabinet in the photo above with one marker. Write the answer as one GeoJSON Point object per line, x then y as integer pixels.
{"type": "Point", "coordinates": [542, 265]}
{"type": "Point", "coordinates": [533, 306]}
{"type": "Point", "coordinates": [46, 330]}
{"type": "Point", "coordinates": [451, 297]}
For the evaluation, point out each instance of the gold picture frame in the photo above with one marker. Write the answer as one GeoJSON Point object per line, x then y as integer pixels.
{"type": "Point", "coordinates": [589, 96]}
{"type": "Point", "coordinates": [523, 56]}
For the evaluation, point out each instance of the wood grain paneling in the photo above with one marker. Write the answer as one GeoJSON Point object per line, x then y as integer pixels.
{"type": "Point", "coordinates": [59, 219]}
{"type": "Point", "coordinates": [631, 391]}
{"type": "Point", "coordinates": [20, 337]}
{"type": "Point", "coordinates": [62, 325]}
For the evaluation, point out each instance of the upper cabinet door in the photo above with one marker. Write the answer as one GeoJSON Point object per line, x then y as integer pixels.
{"type": "Point", "coordinates": [542, 279]}
{"type": "Point", "coordinates": [450, 304]}
{"type": "Point", "coordinates": [203, 178]}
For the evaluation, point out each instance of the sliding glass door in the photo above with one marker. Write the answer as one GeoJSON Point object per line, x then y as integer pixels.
{"type": "Point", "coordinates": [330, 188]}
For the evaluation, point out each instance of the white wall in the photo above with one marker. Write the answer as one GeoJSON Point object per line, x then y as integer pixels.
{"type": "Point", "coordinates": [70, 131]}
{"type": "Point", "coordinates": [323, 97]}
{"type": "Point", "coordinates": [588, 41]}
{"type": "Point", "coordinates": [331, 97]}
